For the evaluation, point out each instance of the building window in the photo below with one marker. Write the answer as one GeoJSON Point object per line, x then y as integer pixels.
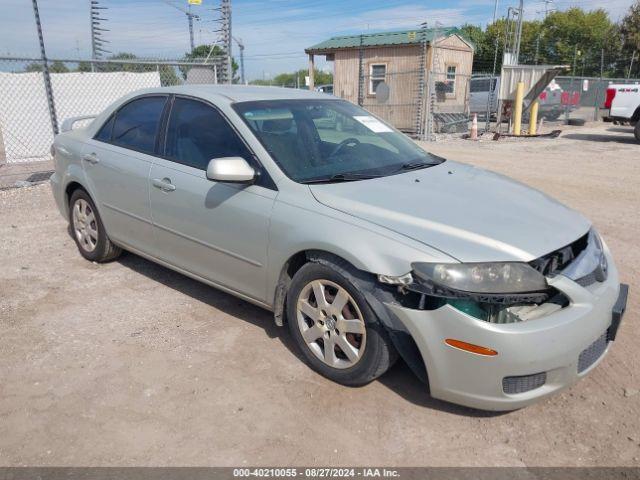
{"type": "Point", "coordinates": [451, 79]}
{"type": "Point", "coordinates": [377, 75]}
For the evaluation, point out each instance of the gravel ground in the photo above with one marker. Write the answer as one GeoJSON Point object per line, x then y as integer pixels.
{"type": "Point", "coordinates": [131, 364]}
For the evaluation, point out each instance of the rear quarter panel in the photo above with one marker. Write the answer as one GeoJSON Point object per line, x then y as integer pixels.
{"type": "Point", "coordinates": [67, 166]}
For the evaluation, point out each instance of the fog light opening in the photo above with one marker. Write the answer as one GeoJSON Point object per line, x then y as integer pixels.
{"type": "Point", "coordinates": [470, 347]}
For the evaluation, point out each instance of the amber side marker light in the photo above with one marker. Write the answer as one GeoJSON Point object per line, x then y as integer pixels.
{"type": "Point", "coordinates": [470, 347]}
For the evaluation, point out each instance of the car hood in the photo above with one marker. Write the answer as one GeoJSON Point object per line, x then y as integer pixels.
{"type": "Point", "coordinates": [468, 213]}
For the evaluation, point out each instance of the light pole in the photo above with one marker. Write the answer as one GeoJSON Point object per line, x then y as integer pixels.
{"type": "Point", "coordinates": [45, 72]}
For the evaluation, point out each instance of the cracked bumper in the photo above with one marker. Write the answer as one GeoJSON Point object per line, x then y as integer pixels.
{"type": "Point", "coordinates": [551, 344]}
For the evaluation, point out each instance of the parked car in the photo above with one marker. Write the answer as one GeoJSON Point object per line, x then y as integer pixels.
{"type": "Point", "coordinates": [550, 101]}
{"type": "Point", "coordinates": [325, 89]}
{"type": "Point", "coordinates": [623, 103]}
{"type": "Point", "coordinates": [365, 244]}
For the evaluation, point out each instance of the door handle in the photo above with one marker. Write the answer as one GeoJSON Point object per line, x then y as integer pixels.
{"type": "Point", "coordinates": [92, 158]}
{"type": "Point", "coordinates": [163, 184]}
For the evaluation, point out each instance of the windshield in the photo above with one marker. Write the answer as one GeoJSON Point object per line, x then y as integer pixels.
{"type": "Point", "coordinates": [330, 140]}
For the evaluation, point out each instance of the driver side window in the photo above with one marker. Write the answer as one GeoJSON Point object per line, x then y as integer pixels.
{"type": "Point", "coordinates": [197, 133]}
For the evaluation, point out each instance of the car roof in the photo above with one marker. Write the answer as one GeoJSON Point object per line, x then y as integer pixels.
{"type": "Point", "coordinates": [239, 93]}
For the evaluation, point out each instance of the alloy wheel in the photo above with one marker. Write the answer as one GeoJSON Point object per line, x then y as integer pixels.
{"type": "Point", "coordinates": [85, 226]}
{"type": "Point", "coordinates": [331, 324]}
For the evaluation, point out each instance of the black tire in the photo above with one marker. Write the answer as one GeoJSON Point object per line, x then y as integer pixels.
{"type": "Point", "coordinates": [378, 354]}
{"type": "Point", "coordinates": [637, 131]}
{"type": "Point", "coordinates": [576, 122]}
{"type": "Point", "coordinates": [104, 250]}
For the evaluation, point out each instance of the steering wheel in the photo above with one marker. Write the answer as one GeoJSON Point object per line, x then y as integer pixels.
{"type": "Point", "coordinates": [347, 141]}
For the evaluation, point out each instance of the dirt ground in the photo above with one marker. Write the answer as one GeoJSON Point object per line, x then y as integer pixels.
{"type": "Point", "coordinates": [131, 364]}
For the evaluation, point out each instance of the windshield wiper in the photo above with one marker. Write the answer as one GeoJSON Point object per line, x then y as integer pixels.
{"type": "Point", "coordinates": [341, 177]}
{"type": "Point", "coordinates": [417, 165]}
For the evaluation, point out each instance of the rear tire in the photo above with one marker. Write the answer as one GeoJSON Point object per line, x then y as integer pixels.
{"type": "Point", "coordinates": [88, 230]}
{"type": "Point", "coordinates": [360, 348]}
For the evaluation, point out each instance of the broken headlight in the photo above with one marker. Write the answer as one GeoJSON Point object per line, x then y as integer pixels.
{"type": "Point", "coordinates": [503, 283]}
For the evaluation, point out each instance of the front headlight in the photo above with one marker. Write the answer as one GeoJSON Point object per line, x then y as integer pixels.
{"type": "Point", "coordinates": [482, 278]}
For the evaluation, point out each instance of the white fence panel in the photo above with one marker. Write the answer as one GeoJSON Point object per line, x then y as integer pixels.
{"type": "Point", "coordinates": [25, 126]}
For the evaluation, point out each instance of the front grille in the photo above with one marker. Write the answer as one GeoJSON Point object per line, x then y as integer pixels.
{"type": "Point", "coordinates": [558, 260]}
{"type": "Point", "coordinates": [592, 353]}
{"type": "Point", "coordinates": [588, 279]}
{"type": "Point", "coordinates": [523, 383]}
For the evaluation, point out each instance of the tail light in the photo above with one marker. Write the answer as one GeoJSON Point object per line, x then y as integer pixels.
{"type": "Point", "coordinates": [543, 96]}
{"type": "Point", "coordinates": [611, 94]}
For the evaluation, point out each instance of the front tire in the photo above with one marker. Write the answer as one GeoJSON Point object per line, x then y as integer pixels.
{"type": "Point", "coordinates": [637, 131]}
{"type": "Point", "coordinates": [334, 328]}
{"type": "Point", "coordinates": [88, 231]}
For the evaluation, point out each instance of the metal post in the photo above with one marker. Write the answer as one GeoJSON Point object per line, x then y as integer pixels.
{"type": "Point", "coordinates": [596, 107]}
{"type": "Point", "coordinates": [226, 7]}
{"type": "Point", "coordinates": [312, 73]}
{"type": "Point", "coordinates": [492, 92]}
{"type": "Point", "coordinates": [361, 72]}
{"type": "Point", "coordinates": [517, 116]}
{"type": "Point", "coordinates": [573, 75]}
{"type": "Point", "coordinates": [190, 17]}
{"type": "Point", "coordinates": [242, 64]}
{"type": "Point", "coordinates": [519, 30]}
{"type": "Point", "coordinates": [633, 58]}
{"type": "Point", "coordinates": [533, 121]}
{"type": "Point", "coordinates": [45, 72]}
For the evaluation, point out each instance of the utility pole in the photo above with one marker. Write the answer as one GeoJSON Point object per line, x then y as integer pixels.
{"type": "Point", "coordinates": [241, 47]}
{"type": "Point", "coordinates": [190, 17]}
{"type": "Point", "coordinates": [519, 30]}
{"type": "Point", "coordinates": [45, 72]}
{"type": "Point", "coordinates": [97, 42]}
{"type": "Point", "coordinates": [227, 38]}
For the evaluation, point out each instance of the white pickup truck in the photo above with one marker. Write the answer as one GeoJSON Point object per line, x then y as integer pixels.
{"type": "Point", "coordinates": [623, 103]}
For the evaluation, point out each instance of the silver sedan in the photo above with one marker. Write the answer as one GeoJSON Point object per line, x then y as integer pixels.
{"type": "Point", "coordinates": [365, 245]}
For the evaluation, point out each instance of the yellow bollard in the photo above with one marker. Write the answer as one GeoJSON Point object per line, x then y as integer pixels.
{"type": "Point", "coordinates": [517, 116]}
{"type": "Point", "coordinates": [533, 122]}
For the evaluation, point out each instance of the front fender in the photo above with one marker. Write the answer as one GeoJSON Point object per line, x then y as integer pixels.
{"type": "Point", "coordinates": [315, 227]}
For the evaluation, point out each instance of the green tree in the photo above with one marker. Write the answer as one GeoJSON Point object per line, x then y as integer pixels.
{"type": "Point", "coordinates": [167, 73]}
{"type": "Point", "coordinates": [559, 39]}
{"type": "Point", "coordinates": [33, 67]}
{"type": "Point", "coordinates": [54, 67]}
{"type": "Point", "coordinates": [630, 27]}
{"type": "Point", "coordinates": [296, 79]}
{"type": "Point", "coordinates": [58, 67]}
{"type": "Point", "coordinates": [84, 66]}
{"type": "Point", "coordinates": [630, 33]}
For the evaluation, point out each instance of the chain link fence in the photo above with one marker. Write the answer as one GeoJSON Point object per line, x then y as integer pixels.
{"type": "Point", "coordinates": [78, 87]}
{"type": "Point", "coordinates": [393, 95]}
{"type": "Point", "coordinates": [583, 97]}
{"type": "Point", "coordinates": [448, 102]}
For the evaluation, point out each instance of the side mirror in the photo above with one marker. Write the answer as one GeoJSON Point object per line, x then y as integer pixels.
{"type": "Point", "coordinates": [230, 169]}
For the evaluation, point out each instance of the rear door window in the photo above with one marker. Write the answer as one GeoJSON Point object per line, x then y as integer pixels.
{"type": "Point", "coordinates": [136, 124]}
{"type": "Point", "coordinates": [198, 133]}
{"type": "Point", "coordinates": [104, 135]}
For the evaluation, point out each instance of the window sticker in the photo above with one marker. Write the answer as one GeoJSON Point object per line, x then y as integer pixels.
{"type": "Point", "coordinates": [372, 124]}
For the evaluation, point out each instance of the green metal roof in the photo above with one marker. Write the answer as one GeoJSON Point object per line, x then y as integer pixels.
{"type": "Point", "coordinates": [403, 37]}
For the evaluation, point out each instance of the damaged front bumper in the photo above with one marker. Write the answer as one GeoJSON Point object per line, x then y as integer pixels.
{"type": "Point", "coordinates": [535, 359]}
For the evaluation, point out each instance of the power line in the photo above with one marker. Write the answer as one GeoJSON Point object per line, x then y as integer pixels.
{"type": "Point", "coordinates": [97, 42]}
{"type": "Point", "coordinates": [190, 18]}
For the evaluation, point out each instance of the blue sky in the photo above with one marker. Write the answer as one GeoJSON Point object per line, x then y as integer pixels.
{"type": "Point", "coordinates": [275, 32]}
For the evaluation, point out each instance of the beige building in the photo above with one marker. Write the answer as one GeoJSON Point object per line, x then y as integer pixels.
{"type": "Point", "coordinates": [388, 72]}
